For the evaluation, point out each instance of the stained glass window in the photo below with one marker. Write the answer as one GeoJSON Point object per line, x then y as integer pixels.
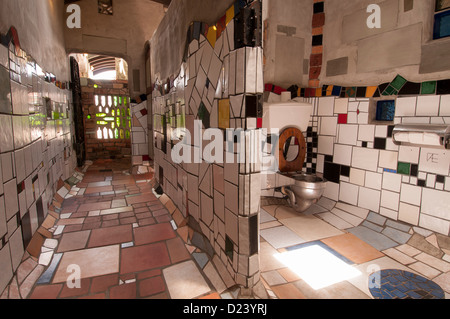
{"type": "Point", "coordinates": [113, 118]}
{"type": "Point", "coordinates": [442, 19]}
{"type": "Point", "coordinates": [105, 7]}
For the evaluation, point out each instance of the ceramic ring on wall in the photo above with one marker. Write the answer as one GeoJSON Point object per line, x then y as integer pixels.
{"type": "Point", "coordinates": [297, 164]}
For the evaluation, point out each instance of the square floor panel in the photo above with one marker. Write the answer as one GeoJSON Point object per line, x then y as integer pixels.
{"type": "Point", "coordinates": [353, 248]}
{"type": "Point", "coordinates": [146, 257]}
{"type": "Point", "coordinates": [280, 237]}
{"type": "Point", "coordinates": [311, 228]}
{"type": "Point", "coordinates": [185, 281]}
{"type": "Point", "coordinates": [74, 241]}
{"type": "Point", "coordinates": [91, 262]}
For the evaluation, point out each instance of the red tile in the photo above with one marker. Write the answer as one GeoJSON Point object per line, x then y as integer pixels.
{"type": "Point", "coordinates": [149, 274]}
{"type": "Point", "coordinates": [177, 250]}
{"type": "Point", "coordinates": [94, 206]}
{"type": "Point", "coordinates": [147, 222]}
{"type": "Point", "coordinates": [110, 236]}
{"type": "Point", "coordinates": [126, 291]}
{"type": "Point", "coordinates": [76, 292]}
{"type": "Point", "coordinates": [143, 198]}
{"type": "Point", "coordinates": [96, 296]}
{"type": "Point", "coordinates": [103, 283]}
{"type": "Point", "coordinates": [110, 223]}
{"type": "Point", "coordinates": [128, 220]}
{"type": "Point", "coordinates": [151, 286]}
{"type": "Point", "coordinates": [46, 292]}
{"type": "Point", "coordinates": [342, 119]}
{"type": "Point", "coordinates": [94, 190]}
{"type": "Point", "coordinates": [153, 233]}
{"type": "Point", "coordinates": [140, 258]}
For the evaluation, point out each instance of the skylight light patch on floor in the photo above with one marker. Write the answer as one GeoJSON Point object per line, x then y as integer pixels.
{"type": "Point", "coordinates": [317, 267]}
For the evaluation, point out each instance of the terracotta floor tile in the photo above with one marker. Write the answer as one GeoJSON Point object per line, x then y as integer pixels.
{"type": "Point", "coordinates": [143, 198]}
{"type": "Point", "coordinates": [73, 241]}
{"type": "Point", "coordinates": [353, 248]}
{"type": "Point", "coordinates": [92, 262]}
{"type": "Point", "coordinates": [128, 220]}
{"type": "Point", "coordinates": [287, 291]}
{"type": "Point", "coordinates": [163, 218]}
{"type": "Point", "coordinates": [153, 233]}
{"type": "Point", "coordinates": [70, 221]}
{"type": "Point", "coordinates": [96, 296]}
{"type": "Point", "coordinates": [92, 225]}
{"type": "Point", "coordinates": [100, 184]}
{"type": "Point", "coordinates": [75, 292]}
{"type": "Point", "coordinates": [140, 258]}
{"type": "Point", "coordinates": [125, 291]}
{"type": "Point", "coordinates": [177, 250]}
{"type": "Point", "coordinates": [288, 274]}
{"type": "Point", "coordinates": [147, 222]}
{"type": "Point", "coordinates": [46, 292]}
{"type": "Point", "coordinates": [214, 295]}
{"type": "Point", "coordinates": [118, 210]}
{"type": "Point", "coordinates": [110, 236]}
{"type": "Point", "coordinates": [110, 223]}
{"type": "Point", "coordinates": [151, 286]}
{"type": "Point", "coordinates": [94, 206]}
{"type": "Point", "coordinates": [148, 274]}
{"type": "Point", "coordinates": [103, 283]}
{"type": "Point", "coordinates": [72, 228]}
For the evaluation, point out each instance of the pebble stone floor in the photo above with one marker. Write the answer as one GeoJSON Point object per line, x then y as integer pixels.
{"type": "Point", "coordinates": [128, 243]}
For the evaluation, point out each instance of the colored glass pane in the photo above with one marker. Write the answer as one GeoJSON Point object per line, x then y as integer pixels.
{"type": "Point", "coordinates": [122, 134]}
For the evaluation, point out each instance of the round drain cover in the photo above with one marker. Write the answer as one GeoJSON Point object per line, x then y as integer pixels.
{"type": "Point", "coordinates": [399, 284]}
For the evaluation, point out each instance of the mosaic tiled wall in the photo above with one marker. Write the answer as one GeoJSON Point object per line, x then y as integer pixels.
{"type": "Point", "coordinates": [139, 133]}
{"type": "Point", "coordinates": [356, 153]}
{"type": "Point", "coordinates": [35, 150]}
{"type": "Point", "coordinates": [107, 116]}
{"type": "Point", "coordinates": [220, 84]}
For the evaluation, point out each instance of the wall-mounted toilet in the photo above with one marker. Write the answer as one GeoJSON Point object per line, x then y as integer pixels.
{"type": "Point", "coordinates": [290, 119]}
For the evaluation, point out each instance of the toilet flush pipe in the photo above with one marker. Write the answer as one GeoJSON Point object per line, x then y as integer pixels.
{"type": "Point", "coordinates": [291, 196]}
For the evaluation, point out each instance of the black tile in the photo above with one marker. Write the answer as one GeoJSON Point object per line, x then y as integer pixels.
{"type": "Point", "coordinates": [383, 87]}
{"type": "Point", "coordinates": [390, 130]}
{"type": "Point", "coordinates": [421, 183]}
{"type": "Point", "coordinates": [379, 144]}
{"type": "Point", "coordinates": [5, 92]}
{"type": "Point", "coordinates": [361, 92]}
{"type": "Point", "coordinates": [329, 158]}
{"type": "Point", "coordinates": [345, 171]}
{"type": "Point", "coordinates": [443, 87]}
{"type": "Point", "coordinates": [318, 7]}
{"type": "Point", "coordinates": [161, 176]}
{"type": "Point", "coordinates": [364, 144]}
{"type": "Point", "coordinates": [332, 172]}
{"type": "Point", "coordinates": [410, 88]}
{"type": "Point", "coordinates": [251, 106]}
{"type": "Point", "coordinates": [254, 235]}
{"type": "Point", "coordinates": [317, 40]}
{"type": "Point", "coordinates": [414, 170]}
{"type": "Point", "coordinates": [440, 179]}
{"type": "Point", "coordinates": [40, 211]}
{"type": "Point", "coordinates": [229, 248]}
{"type": "Point", "coordinates": [26, 229]}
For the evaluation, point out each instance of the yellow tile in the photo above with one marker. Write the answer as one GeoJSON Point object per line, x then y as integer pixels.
{"type": "Point", "coordinates": [212, 35]}
{"type": "Point", "coordinates": [224, 114]}
{"type": "Point", "coordinates": [230, 14]}
{"type": "Point", "coordinates": [371, 91]}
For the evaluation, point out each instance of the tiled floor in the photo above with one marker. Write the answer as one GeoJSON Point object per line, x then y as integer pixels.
{"type": "Point", "coordinates": [113, 233]}
{"type": "Point", "coordinates": [121, 240]}
{"type": "Point", "coordinates": [330, 251]}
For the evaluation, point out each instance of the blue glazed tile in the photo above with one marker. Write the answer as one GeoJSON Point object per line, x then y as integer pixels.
{"type": "Point", "coordinates": [46, 277]}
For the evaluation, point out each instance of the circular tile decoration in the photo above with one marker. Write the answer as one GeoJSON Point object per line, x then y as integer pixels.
{"type": "Point", "coordinates": [399, 284]}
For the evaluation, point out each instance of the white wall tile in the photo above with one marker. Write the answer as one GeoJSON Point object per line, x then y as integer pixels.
{"type": "Point", "coordinates": [232, 74]}
{"type": "Point", "coordinates": [321, 161]}
{"type": "Point", "coordinates": [326, 106]}
{"type": "Point", "coordinates": [389, 213]}
{"type": "Point", "coordinates": [342, 154]}
{"type": "Point", "coordinates": [392, 182]}
{"type": "Point", "coordinates": [341, 106]}
{"type": "Point", "coordinates": [428, 105]}
{"type": "Point", "coordinates": [365, 158]}
{"type": "Point", "coordinates": [381, 131]}
{"type": "Point", "coordinates": [3, 225]}
{"type": "Point", "coordinates": [332, 191]}
{"type": "Point", "coordinates": [409, 213]}
{"type": "Point", "coordinates": [435, 161]}
{"type": "Point", "coordinates": [409, 154]}
{"type": "Point", "coordinates": [411, 194]}
{"type": "Point", "coordinates": [11, 200]}
{"type": "Point", "coordinates": [348, 193]}
{"type": "Point", "coordinates": [406, 106]}
{"type": "Point", "coordinates": [436, 203]}
{"type": "Point", "coordinates": [251, 69]}
{"type": "Point", "coordinates": [348, 134]}
{"type": "Point", "coordinates": [366, 133]}
{"type": "Point", "coordinates": [388, 160]}
{"type": "Point", "coordinates": [390, 199]}
{"type": "Point", "coordinates": [444, 109]}
{"type": "Point", "coordinates": [435, 224]}
{"type": "Point", "coordinates": [369, 198]}
{"type": "Point", "coordinates": [326, 145]}
{"type": "Point", "coordinates": [240, 70]}
{"type": "Point", "coordinates": [357, 176]}
{"type": "Point", "coordinates": [328, 125]}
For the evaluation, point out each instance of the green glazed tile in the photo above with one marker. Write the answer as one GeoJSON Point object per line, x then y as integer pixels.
{"type": "Point", "coordinates": [428, 87]}
{"type": "Point", "coordinates": [398, 82]}
{"type": "Point", "coordinates": [390, 90]}
{"type": "Point", "coordinates": [404, 168]}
